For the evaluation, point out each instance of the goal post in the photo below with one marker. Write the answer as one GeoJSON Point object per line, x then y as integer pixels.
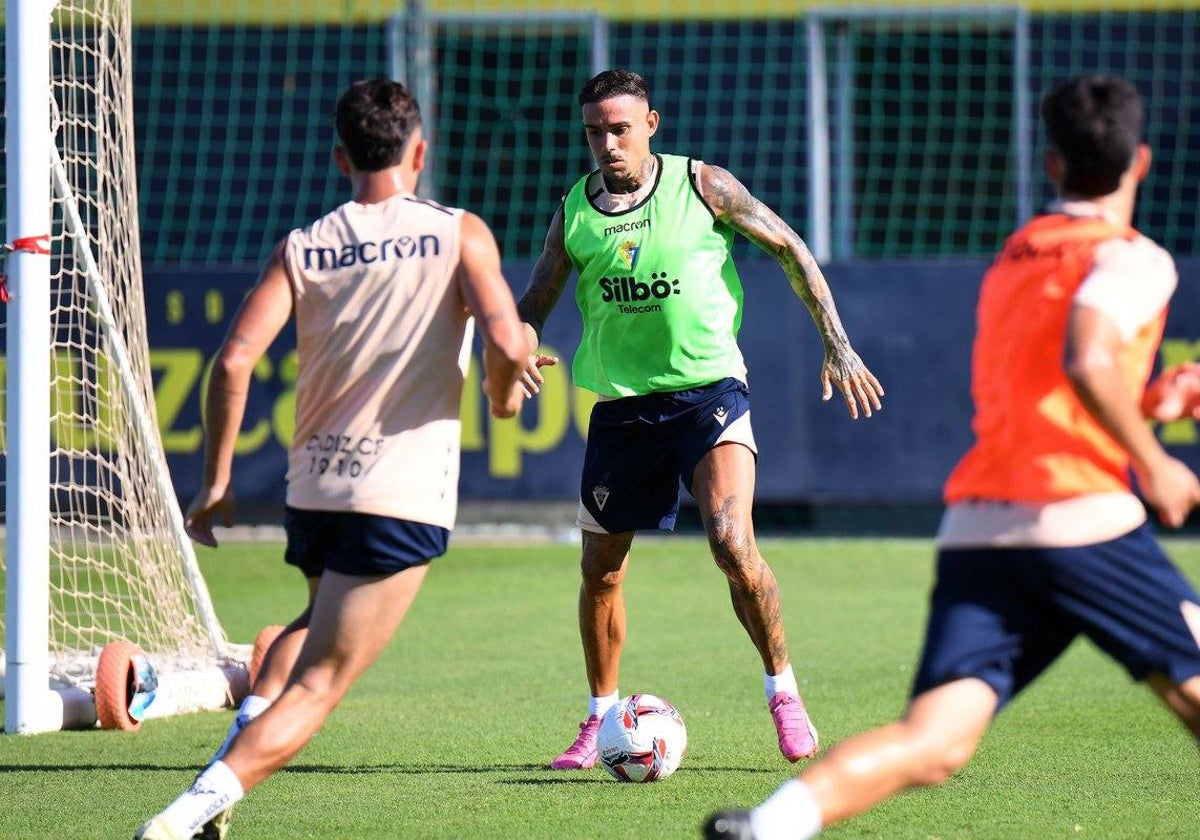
{"type": "Point", "coordinates": [499, 78]}
{"type": "Point", "coordinates": [95, 549]}
{"type": "Point", "coordinates": [853, 91]}
{"type": "Point", "coordinates": [29, 703]}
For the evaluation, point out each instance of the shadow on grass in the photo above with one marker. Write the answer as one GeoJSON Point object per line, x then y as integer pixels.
{"type": "Point", "coordinates": [365, 769]}
{"type": "Point", "coordinates": [590, 777]}
{"type": "Point", "coordinates": [413, 769]}
{"type": "Point", "coordinates": [84, 768]}
{"type": "Point", "coordinates": [552, 777]}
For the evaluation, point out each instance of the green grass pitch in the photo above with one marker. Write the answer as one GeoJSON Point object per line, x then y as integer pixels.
{"type": "Point", "coordinates": [448, 736]}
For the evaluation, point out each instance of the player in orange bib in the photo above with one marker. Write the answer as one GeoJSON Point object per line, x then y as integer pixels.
{"type": "Point", "coordinates": [1043, 539]}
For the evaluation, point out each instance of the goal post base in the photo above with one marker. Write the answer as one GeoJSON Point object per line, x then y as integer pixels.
{"type": "Point", "coordinates": [211, 687]}
{"type": "Point", "coordinates": [217, 686]}
{"type": "Point", "coordinates": [58, 708]}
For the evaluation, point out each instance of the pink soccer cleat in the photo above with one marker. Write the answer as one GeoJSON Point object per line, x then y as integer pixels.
{"type": "Point", "coordinates": [582, 754]}
{"type": "Point", "coordinates": [797, 736]}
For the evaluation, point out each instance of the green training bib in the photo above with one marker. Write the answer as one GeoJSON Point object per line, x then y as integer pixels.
{"type": "Point", "coordinates": [660, 296]}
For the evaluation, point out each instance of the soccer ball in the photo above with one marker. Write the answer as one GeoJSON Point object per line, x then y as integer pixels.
{"type": "Point", "coordinates": [641, 739]}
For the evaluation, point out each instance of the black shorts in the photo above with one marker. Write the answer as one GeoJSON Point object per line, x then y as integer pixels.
{"type": "Point", "coordinates": [1003, 615]}
{"type": "Point", "coordinates": [640, 448]}
{"type": "Point", "coordinates": [360, 544]}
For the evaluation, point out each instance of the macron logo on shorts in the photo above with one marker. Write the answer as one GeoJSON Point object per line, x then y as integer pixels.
{"type": "Point", "coordinates": [600, 494]}
{"type": "Point", "coordinates": [720, 416]}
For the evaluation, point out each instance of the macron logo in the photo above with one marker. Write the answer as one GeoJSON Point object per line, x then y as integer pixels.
{"type": "Point", "coordinates": [351, 254]}
{"type": "Point", "coordinates": [625, 227]}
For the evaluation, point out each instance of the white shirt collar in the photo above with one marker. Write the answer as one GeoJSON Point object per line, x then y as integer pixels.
{"type": "Point", "coordinates": [1082, 209]}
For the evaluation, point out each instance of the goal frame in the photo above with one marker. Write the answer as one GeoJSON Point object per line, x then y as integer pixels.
{"type": "Point", "coordinates": [830, 233]}
{"type": "Point", "coordinates": [37, 697]}
{"type": "Point", "coordinates": [412, 34]}
{"type": "Point", "coordinates": [30, 705]}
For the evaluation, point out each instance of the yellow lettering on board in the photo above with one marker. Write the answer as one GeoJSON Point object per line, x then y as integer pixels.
{"type": "Point", "coordinates": [180, 369]}
{"type": "Point", "coordinates": [509, 440]}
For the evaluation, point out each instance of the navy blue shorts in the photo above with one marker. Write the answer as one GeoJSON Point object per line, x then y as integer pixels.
{"type": "Point", "coordinates": [1004, 614]}
{"type": "Point", "coordinates": [639, 448]}
{"type": "Point", "coordinates": [359, 544]}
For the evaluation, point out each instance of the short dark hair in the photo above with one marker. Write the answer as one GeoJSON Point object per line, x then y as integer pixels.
{"type": "Point", "coordinates": [1096, 123]}
{"type": "Point", "coordinates": [375, 119]}
{"type": "Point", "coordinates": [610, 83]}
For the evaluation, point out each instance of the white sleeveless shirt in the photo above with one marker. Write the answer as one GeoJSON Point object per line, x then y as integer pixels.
{"type": "Point", "coordinates": [383, 338]}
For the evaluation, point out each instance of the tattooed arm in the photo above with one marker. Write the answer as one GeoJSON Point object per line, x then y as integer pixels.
{"type": "Point", "coordinates": [732, 204]}
{"type": "Point", "coordinates": [549, 277]}
{"type": "Point", "coordinates": [546, 285]}
{"type": "Point", "coordinates": [258, 321]}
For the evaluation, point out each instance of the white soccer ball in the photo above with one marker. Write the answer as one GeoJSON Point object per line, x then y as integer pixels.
{"type": "Point", "coordinates": [641, 739]}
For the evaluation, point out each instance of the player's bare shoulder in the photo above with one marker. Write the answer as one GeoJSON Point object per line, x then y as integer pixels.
{"type": "Point", "coordinates": [733, 204]}
{"type": "Point", "coordinates": [725, 195]}
{"type": "Point", "coordinates": [475, 232]}
{"type": "Point", "coordinates": [479, 270]}
{"type": "Point", "coordinates": [555, 260]}
{"type": "Point", "coordinates": [554, 248]}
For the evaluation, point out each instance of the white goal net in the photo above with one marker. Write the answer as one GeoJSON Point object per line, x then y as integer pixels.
{"type": "Point", "coordinates": [120, 566]}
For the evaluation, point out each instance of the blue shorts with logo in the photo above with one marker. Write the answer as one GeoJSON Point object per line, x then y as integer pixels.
{"type": "Point", "coordinates": [359, 544]}
{"type": "Point", "coordinates": [1004, 614]}
{"type": "Point", "coordinates": [639, 448]}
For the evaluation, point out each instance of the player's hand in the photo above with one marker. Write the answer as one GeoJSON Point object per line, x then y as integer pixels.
{"type": "Point", "coordinates": [1171, 488]}
{"type": "Point", "coordinates": [1174, 394]}
{"type": "Point", "coordinates": [209, 502]}
{"type": "Point", "coordinates": [510, 404]}
{"type": "Point", "coordinates": [860, 389]}
{"type": "Point", "coordinates": [531, 378]}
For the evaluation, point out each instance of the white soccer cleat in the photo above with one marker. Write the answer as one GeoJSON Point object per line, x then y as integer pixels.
{"type": "Point", "coordinates": [217, 827]}
{"type": "Point", "coordinates": [157, 829]}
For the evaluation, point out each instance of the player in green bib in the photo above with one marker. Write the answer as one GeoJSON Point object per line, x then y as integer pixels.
{"type": "Point", "coordinates": [650, 237]}
{"type": "Point", "coordinates": [660, 295]}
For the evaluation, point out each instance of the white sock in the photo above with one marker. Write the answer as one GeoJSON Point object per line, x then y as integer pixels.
{"type": "Point", "coordinates": [214, 790]}
{"type": "Point", "coordinates": [790, 813]}
{"type": "Point", "coordinates": [599, 705]}
{"type": "Point", "coordinates": [251, 707]}
{"type": "Point", "coordinates": [785, 680]}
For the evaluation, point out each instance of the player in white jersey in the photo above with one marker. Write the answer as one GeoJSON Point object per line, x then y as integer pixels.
{"type": "Point", "coordinates": [383, 290]}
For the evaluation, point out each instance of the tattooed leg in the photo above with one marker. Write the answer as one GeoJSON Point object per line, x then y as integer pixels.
{"type": "Point", "coordinates": [723, 485]}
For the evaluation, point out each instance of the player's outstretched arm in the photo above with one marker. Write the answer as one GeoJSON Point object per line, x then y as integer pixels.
{"type": "Point", "coordinates": [491, 302]}
{"type": "Point", "coordinates": [546, 285]}
{"type": "Point", "coordinates": [1092, 348]}
{"type": "Point", "coordinates": [258, 321]}
{"type": "Point", "coordinates": [1174, 394]}
{"type": "Point", "coordinates": [733, 204]}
